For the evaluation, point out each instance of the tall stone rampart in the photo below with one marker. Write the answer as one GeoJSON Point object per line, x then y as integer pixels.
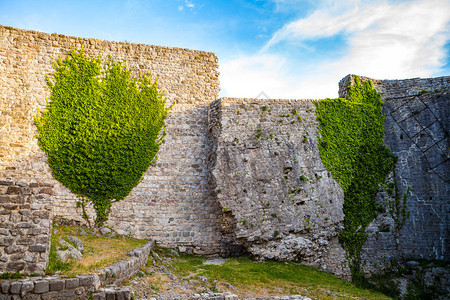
{"type": "Point", "coordinates": [416, 130]}
{"type": "Point", "coordinates": [173, 203]}
{"type": "Point", "coordinates": [276, 196]}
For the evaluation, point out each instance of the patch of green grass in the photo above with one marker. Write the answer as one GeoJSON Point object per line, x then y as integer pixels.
{"type": "Point", "coordinates": [254, 278]}
{"type": "Point", "coordinates": [9, 275]}
{"type": "Point", "coordinates": [98, 252]}
{"type": "Point", "coordinates": [54, 263]}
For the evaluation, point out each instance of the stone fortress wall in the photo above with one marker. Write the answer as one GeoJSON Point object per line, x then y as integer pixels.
{"type": "Point", "coordinates": [277, 198]}
{"type": "Point", "coordinates": [416, 125]}
{"type": "Point", "coordinates": [173, 203]}
{"type": "Point", "coordinates": [280, 202]}
{"type": "Point", "coordinates": [238, 171]}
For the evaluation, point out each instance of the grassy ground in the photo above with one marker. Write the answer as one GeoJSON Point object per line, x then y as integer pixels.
{"type": "Point", "coordinates": [98, 252]}
{"type": "Point", "coordinates": [170, 273]}
{"type": "Point", "coordinates": [246, 278]}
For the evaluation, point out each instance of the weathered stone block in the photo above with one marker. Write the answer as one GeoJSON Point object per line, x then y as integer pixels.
{"type": "Point", "coordinates": [41, 214]}
{"type": "Point", "coordinates": [123, 294]}
{"type": "Point", "coordinates": [11, 249]}
{"type": "Point", "coordinates": [86, 280]}
{"type": "Point", "coordinates": [24, 225]}
{"type": "Point", "coordinates": [5, 286]}
{"type": "Point", "coordinates": [27, 287]}
{"type": "Point", "coordinates": [56, 284]}
{"type": "Point", "coordinates": [9, 206]}
{"type": "Point", "coordinates": [32, 267]}
{"type": "Point", "coordinates": [50, 296]}
{"type": "Point", "coordinates": [30, 257]}
{"type": "Point", "coordinates": [71, 283]}
{"type": "Point", "coordinates": [35, 231]}
{"type": "Point", "coordinates": [41, 287]}
{"type": "Point", "coordinates": [15, 266]}
{"type": "Point", "coordinates": [42, 239]}
{"type": "Point", "coordinates": [9, 199]}
{"type": "Point", "coordinates": [13, 190]}
{"type": "Point", "coordinates": [100, 296]}
{"type": "Point", "coordinates": [24, 241]}
{"type": "Point", "coordinates": [46, 190]}
{"type": "Point", "coordinates": [110, 295]}
{"type": "Point", "coordinates": [38, 248]}
{"type": "Point", "coordinates": [15, 287]}
{"type": "Point", "coordinates": [17, 257]}
{"type": "Point", "coordinates": [67, 294]}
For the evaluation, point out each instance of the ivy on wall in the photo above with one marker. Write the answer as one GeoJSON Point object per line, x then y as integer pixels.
{"type": "Point", "coordinates": [351, 148]}
{"type": "Point", "coordinates": [102, 128]}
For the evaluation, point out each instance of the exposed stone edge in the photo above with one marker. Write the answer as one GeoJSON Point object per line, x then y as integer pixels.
{"type": "Point", "coordinates": [95, 40]}
{"type": "Point", "coordinates": [391, 88]}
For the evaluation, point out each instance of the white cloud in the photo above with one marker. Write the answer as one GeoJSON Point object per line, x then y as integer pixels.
{"type": "Point", "coordinates": [248, 76]}
{"type": "Point", "coordinates": [384, 40]}
{"type": "Point", "coordinates": [189, 4]}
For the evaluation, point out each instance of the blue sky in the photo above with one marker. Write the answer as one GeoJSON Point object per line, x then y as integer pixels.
{"type": "Point", "coordinates": [284, 48]}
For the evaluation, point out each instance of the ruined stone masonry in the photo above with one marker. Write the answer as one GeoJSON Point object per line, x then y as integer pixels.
{"type": "Point", "coordinates": [276, 196]}
{"type": "Point", "coordinates": [25, 226]}
{"type": "Point", "coordinates": [233, 174]}
{"type": "Point", "coordinates": [80, 287]}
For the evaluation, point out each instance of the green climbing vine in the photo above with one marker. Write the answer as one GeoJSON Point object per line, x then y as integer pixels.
{"type": "Point", "coordinates": [351, 148]}
{"type": "Point", "coordinates": [101, 129]}
{"type": "Point", "coordinates": [396, 204]}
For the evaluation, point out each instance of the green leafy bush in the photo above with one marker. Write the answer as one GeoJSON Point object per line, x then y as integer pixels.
{"type": "Point", "coordinates": [351, 147]}
{"type": "Point", "coordinates": [102, 128]}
